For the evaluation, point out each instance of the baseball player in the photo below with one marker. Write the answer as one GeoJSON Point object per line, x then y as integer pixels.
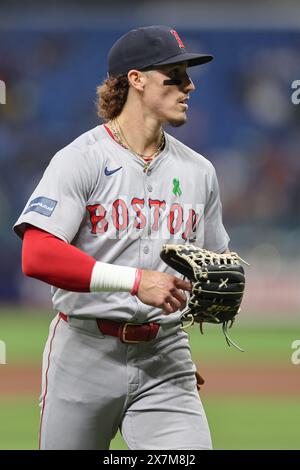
{"type": "Point", "coordinates": [116, 356]}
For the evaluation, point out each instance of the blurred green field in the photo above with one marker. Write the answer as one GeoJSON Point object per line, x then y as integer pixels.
{"type": "Point", "coordinates": [242, 422]}
{"type": "Point", "coordinates": [249, 423]}
{"type": "Point", "coordinates": [25, 334]}
{"type": "Point", "coordinates": [235, 423]}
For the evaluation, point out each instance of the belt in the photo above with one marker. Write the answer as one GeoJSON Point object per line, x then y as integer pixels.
{"type": "Point", "coordinates": [126, 332]}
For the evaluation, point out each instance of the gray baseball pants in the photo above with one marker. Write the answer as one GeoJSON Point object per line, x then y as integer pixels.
{"type": "Point", "coordinates": [93, 385]}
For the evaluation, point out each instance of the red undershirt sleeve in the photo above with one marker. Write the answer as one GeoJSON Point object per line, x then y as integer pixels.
{"type": "Point", "coordinates": [50, 259]}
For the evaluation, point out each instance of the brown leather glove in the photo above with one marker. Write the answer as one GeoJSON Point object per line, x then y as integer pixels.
{"type": "Point", "coordinates": [200, 380]}
{"type": "Point", "coordinates": [218, 284]}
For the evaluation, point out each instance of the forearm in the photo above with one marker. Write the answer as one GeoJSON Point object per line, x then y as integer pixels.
{"type": "Point", "coordinates": [49, 259]}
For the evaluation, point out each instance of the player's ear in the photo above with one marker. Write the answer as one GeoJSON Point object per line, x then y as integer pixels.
{"type": "Point", "coordinates": [136, 79]}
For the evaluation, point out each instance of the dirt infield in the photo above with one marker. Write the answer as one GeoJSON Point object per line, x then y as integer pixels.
{"type": "Point", "coordinates": [16, 380]}
{"type": "Point", "coordinates": [254, 380]}
{"type": "Point", "coordinates": [225, 380]}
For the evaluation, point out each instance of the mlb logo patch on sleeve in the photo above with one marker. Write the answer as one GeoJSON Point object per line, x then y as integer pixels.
{"type": "Point", "coordinates": [42, 205]}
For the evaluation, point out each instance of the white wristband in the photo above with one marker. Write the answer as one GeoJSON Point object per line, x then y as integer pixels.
{"type": "Point", "coordinates": [109, 277]}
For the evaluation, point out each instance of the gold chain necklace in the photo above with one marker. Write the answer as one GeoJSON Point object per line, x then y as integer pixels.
{"type": "Point", "coordinates": [118, 133]}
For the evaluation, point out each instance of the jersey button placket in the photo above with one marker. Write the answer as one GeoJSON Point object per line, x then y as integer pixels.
{"type": "Point", "coordinates": [146, 242]}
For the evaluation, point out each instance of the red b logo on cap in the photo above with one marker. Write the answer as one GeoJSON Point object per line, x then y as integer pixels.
{"type": "Point", "coordinates": [176, 35]}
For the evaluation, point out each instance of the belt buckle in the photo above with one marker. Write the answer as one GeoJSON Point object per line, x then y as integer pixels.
{"type": "Point", "coordinates": [123, 337]}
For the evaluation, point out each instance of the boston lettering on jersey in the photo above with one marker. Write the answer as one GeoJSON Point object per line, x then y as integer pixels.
{"type": "Point", "coordinates": [153, 218]}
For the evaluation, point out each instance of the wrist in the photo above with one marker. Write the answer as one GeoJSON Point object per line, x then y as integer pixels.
{"type": "Point", "coordinates": [110, 277]}
{"type": "Point", "coordinates": [137, 281]}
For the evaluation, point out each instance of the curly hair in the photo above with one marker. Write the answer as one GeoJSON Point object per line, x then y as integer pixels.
{"type": "Point", "coordinates": [112, 95]}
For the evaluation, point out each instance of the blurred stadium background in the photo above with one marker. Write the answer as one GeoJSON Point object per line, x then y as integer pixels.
{"type": "Point", "coordinates": [241, 118]}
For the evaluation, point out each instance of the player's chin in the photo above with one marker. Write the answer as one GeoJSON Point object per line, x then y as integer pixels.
{"type": "Point", "coordinates": [178, 120]}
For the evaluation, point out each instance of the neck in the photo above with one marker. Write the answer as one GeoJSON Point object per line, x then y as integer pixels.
{"type": "Point", "coordinates": [143, 133]}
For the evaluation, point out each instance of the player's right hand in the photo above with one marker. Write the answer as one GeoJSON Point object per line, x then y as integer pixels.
{"type": "Point", "coordinates": [163, 291]}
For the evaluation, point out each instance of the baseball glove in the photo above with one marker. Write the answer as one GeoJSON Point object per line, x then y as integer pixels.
{"type": "Point", "coordinates": [218, 284]}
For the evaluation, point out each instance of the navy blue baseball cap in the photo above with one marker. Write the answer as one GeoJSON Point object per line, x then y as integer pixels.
{"type": "Point", "coordinates": [150, 46]}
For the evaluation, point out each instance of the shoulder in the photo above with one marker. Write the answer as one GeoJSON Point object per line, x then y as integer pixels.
{"type": "Point", "coordinates": [93, 139]}
{"type": "Point", "coordinates": [190, 156]}
{"type": "Point", "coordinates": [84, 150]}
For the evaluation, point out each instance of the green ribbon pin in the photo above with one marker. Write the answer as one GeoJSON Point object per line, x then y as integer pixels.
{"type": "Point", "coordinates": [176, 187]}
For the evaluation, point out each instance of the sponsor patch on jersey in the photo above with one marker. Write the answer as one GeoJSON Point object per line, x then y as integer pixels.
{"type": "Point", "coordinates": [42, 205]}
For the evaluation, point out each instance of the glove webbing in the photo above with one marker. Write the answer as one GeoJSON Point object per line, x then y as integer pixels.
{"type": "Point", "coordinates": [189, 316]}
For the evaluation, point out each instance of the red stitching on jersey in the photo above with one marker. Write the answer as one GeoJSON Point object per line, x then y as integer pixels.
{"type": "Point", "coordinates": [171, 217]}
{"type": "Point", "coordinates": [110, 133]}
{"type": "Point", "coordinates": [119, 203]}
{"type": "Point", "coordinates": [134, 203]}
{"type": "Point", "coordinates": [158, 205]}
{"type": "Point", "coordinates": [46, 386]}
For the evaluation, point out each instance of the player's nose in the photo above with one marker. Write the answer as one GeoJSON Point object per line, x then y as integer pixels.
{"type": "Point", "coordinates": [190, 85]}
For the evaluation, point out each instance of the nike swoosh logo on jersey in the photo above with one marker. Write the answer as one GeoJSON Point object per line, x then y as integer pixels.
{"type": "Point", "coordinates": [111, 172]}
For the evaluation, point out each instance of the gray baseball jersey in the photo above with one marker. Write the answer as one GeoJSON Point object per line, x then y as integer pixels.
{"type": "Point", "coordinates": [96, 195]}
